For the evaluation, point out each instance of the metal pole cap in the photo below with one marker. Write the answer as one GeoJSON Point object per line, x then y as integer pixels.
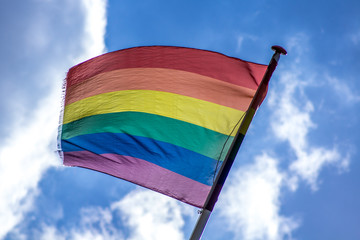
{"type": "Point", "coordinates": [279, 49]}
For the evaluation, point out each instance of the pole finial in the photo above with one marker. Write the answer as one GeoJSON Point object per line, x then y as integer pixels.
{"type": "Point", "coordinates": [279, 49]}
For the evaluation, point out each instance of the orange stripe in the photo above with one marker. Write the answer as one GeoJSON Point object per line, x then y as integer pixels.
{"type": "Point", "coordinates": [166, 80]}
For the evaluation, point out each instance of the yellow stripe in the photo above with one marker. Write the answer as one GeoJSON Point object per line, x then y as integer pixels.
{"type": "Point", "coordinates": [247, 120]}
{"type": "Point", "coordinates": [202, 113]}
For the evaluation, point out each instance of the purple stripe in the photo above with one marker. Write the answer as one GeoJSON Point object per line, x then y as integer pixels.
{"type": "Point", "coordinates": [143, 173]}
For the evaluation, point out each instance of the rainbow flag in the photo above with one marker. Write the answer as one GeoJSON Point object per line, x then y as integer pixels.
{"type": "Point", "coordinates": [160, 117]}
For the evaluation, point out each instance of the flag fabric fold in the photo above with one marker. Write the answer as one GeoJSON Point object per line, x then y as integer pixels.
{"type": "Point", "coordinates": [160, 117]}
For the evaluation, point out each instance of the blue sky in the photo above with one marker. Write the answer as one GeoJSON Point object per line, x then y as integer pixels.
{"type": "Point", "coordinates": [296, 175]}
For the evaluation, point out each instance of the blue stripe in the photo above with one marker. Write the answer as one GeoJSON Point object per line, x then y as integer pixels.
{"type": "Point", "coordinates": [174, 158]}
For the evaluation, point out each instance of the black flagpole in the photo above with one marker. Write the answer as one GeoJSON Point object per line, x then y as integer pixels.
{"type": "Point", "coordinates": [230, 157]}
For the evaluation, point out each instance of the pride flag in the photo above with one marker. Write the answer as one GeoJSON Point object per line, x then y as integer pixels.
{"type": "Point", "coordinates": [160, 117]}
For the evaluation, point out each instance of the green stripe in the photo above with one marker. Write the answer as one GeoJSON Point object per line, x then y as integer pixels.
{"type": "Point", "coordinates": [176, 132]}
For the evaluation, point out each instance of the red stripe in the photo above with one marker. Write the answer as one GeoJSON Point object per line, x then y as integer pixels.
{"type": "Point", "coordinates": [207, 63]}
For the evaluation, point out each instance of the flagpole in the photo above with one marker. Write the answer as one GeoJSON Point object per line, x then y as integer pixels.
{"type": "Point", "coordinates": [230, 157]}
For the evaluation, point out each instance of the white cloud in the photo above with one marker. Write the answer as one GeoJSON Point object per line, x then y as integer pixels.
{"type": "Point", "coordinates": [24, 157]}
{"type": "Point", "coordinates": [310, 162]}
{"type": "Point", "coordinates": [95, 27]}
{"type": "Point", "coordinates": [148, 215]}
{"type": "Point", "coordinates": [355, 38]}
{"type": "Point", "coordinates": [241, 38]}
{"type": "Point", "coordinates": [29, 150]}
{"type": "Point", "coordinates": [50, 232]}
{"type": "Point", "coordinates": [95, 224]}
{"type": "Point", "coordinates": [344, 92]}
{"type": "Point", "coordinates": [251, 204]}
{"type": "Point", "coordinates": [291, 122]}
{"type": "Point", "coordinates": [152, 216]}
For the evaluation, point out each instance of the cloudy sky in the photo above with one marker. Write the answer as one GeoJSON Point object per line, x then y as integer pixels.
{"type": "Point", "coordinates": [296, 175]}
